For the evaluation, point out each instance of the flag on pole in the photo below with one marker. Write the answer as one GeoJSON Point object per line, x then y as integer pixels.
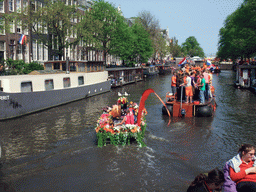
{"type": "Point", "coordinates": [22, 39]}
{"type": "Point", "coordinates": [208, 62]}
{"type": "Point", "coordinates": [182, 62]}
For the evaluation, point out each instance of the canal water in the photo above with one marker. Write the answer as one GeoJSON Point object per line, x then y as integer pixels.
{"type": "Point", "coordinates": [56, 149]}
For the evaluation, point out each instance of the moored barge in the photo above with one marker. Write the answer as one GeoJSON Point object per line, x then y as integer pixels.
{"type": "Point", "coordinates": [58, 84]}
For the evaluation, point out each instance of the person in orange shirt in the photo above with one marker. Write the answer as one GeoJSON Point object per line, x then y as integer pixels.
{"type": "Point", "coordinates": [242, 169]}
{"type": "Point", "coordinates": [188, 88]}
{"type": "Point", "coordinates": [174, 83]}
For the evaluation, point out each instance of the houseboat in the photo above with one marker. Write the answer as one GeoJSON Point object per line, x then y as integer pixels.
{"type": "Point", "coordinates": [245, 75]}
{"type": "Point", "coordinates": [120, 76]}
{"type": "Point", "coordinates": [60, 82]}
{"type": "Point", "coordinates": [150, 70]}
{"type": "Point", "coordinates": [164, 69]}
{"type": "Point", "coordinates": [181, 109]}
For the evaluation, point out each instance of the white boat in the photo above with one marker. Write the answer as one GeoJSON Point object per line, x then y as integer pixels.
{"type": "Point", "coordinates": [24, 94]}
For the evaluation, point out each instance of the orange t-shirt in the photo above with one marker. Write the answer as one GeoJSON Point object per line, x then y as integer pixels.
{"type": "Point", "coordinates": [174, 81]}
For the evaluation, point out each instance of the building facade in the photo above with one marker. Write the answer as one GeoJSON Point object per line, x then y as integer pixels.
{"type": "Point", "coordinates": [32, 49]}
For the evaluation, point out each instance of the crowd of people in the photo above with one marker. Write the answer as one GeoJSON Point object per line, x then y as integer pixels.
{"type": "Point", "coordinates": [238, 174]}
{"type": "Point", "coordinates": [192, 83]}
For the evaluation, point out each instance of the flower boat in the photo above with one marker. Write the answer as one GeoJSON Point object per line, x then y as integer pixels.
{"type": "Point", "coordinates": [118, 124]}
{"type": "Point", "coordinates": [124, 122]}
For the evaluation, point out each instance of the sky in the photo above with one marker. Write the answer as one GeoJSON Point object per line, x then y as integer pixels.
{"type": "Point", "coordinates": [199, 18]}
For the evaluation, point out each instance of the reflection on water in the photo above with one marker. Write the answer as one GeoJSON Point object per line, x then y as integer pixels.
{"type": "Point", "coordinates": [58, 146]}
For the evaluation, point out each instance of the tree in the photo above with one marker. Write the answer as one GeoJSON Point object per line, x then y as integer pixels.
{"type": "Point", "coordinates": [174, 48]}
{"type": "Point", "coordinates": [151, 25]}
{"type": "Point", "coordinates": [192, 48]}
{"type": "Point", "coordinates": [161, 47]}
{"type": "Point", "coordinates": [111, 21]}
{"type": "Point", "coordinates": [51, 24]}
{"type": "Point", "coordinates": [142, 46]}
{"type": "Point", "coordinates": [238, 36]}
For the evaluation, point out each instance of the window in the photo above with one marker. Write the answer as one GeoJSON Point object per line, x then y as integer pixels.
{"type": "Point", "coordinates": [80, 80]}
{"type": "Point", "coordinates": [19, 51]}
{"type": "Point", "coordinates": [12, 29]}
{"type": "Point", "coordinates": [88, 68]}
{"type": "Point", "coordinates": [48, 66]}
{"type": "Point", "coordinates": [25, 3]}
{"type": "Point", "coordinates": [56, 66]}
{"type": "Point", "coordinates": [18, 29]}
{"type": "Point", "coordinates": [1, 88]}
{"type": "Point", "coordinates": [40, 52]}
{"type": "Point", "coordinates": [1, 45]}
{"type": "Point", "coordinates": [2, 7]}
{"type": "Point", "coordinates": [2, 32]}
{"type": "Point", "coordinates": [18, 5]}
{"type": "Point", "coordinates": [72, 67]}
{"type": "Point", "coordinates": [48, 84]}
{"type": "Point", "coordinates": [11, 5]}
{"type": "Point", "coordinates": [26, 86]}
{"type": "Point", "coordinates": [33, 6]}
{"type": "Point", "coordinates": [34, 50]}
{"type": "Point", "coordinates": [81, 67]}
{"type": "Point", "coordinates": [66, 82]}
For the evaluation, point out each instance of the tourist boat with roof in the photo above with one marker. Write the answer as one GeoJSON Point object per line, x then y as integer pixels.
{"type": "Point", "coordinates": [60, 82]}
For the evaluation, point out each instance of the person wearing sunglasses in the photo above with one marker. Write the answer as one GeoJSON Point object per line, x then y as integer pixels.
{"type": "Point", "coordinates": [242, 169]}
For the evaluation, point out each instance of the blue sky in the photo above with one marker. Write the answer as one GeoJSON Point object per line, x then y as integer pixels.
{"type": "Point", "coordinates": [184, 18]}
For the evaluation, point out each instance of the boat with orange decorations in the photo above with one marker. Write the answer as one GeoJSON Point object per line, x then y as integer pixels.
{"type": "Point", "coordinates": [179, 108]}
{"type": "Point", "coordinates": [124, 122]}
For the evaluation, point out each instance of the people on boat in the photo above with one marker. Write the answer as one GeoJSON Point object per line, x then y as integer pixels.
{"type": "Point", "coordinates": [180, 81]}
{"type": "Point", "coordinates": [241, 169]}
{"type": "Point", "coordinates": [212, 181]}
{"type": "Point", "coordinates": [210, 83]}
{"type": "Point", "coordinates": [206, 77]}
{"type": "Point", "coordinates": [202, 89]}
{"type": "Point", "coordinates": [188, 88]}
{"type": "Point", "coordinates": [174, 83]}
{"type": "Point", "coordinates": [129, 116]}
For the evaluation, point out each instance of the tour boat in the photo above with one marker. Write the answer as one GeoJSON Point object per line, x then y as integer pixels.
{"type": "Point", "coordinates": [24, 94]}
{"type": "Point", "coordinates": [181, 109]}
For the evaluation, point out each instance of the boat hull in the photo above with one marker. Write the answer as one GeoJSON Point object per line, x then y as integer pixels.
{"type": "Point", "coordinates": [17, 104]}
{"type": "Point", "coordinates": [190, 109]}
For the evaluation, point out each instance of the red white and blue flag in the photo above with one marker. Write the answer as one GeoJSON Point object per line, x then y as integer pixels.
{"type": "Point", "coordinates": [22, 39]}
{"type": "Point", "coordinates": [208, 62]}
{"type": "Point", "coordinates": [183, 61]}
